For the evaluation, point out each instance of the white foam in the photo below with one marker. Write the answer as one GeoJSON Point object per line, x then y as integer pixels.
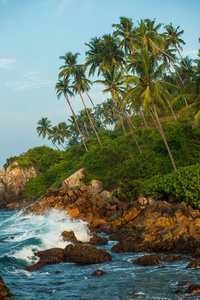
{"type": "Point", "coordinates": [40, 232]}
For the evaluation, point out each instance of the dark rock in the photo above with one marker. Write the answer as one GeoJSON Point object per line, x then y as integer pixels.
{"type": "Point", "coordinates": [98, 273]}
{"type": "Point", "coordinates": [148, 260]}
{"type": "Point", "coordinates": [86, 254]}
{"type": "Point", "coordinates": [194, 263]}
{"type": "Point", "coordinates": [69, 236]}
{"type": "Point", "coordinates": [193, 289]}
{"type": "Point", "coordinates": [4, 290]}
{"type": "Point", "coordinates": [96, 240]}
{"type": "Point", "coordinates": [171, 257]}
{"type": "Point", "coordinates": [178, 292]}
{"type": "Point", "coordinates": [184, 283]}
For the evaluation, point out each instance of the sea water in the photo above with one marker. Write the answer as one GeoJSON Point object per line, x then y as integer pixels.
{"type": "Point", "coordinates": [23, 235]}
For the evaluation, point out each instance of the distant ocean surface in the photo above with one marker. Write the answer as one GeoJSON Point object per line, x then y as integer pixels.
{"type": "Point", "coordinates": [21, 236]}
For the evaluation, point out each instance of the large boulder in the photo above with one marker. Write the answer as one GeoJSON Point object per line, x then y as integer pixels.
{"type": "Point", "coordinates": [81, 254]}
{"type": "Point", "coordinates": [74, 180]}
{"type": "Point", "coordinates": [12, 183]}
{"type": "Point", "coordinates": [95, 186]}
{"type": "Point", "coordinates": [148, 260]}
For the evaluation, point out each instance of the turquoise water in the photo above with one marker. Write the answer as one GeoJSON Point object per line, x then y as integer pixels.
{"type": "Point", "coordinates": [21, 236]}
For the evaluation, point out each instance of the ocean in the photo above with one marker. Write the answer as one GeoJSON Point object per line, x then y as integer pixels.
{"type": "Point", "coordinates": [23, 235]}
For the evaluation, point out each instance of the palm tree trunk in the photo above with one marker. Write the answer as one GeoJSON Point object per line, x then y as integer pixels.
{"type": "Point", "coordinates": [76, 122]}
{"type": "Point", "coordinates": [88, 113]}
{"type": "Point", "coordinates": [172, 111]}
{"type": "Point", "coordinates": [163, 135]}
{"type": "Point", "coordinates": [129, 124]}
{"type": "Point", "coordinates": [120, 118]}
{"type": "Point", "coordinates": [171, 57]}
{"type": "Point", "coordinates": [55, 145]}
{"type": "Point", "coordinates": [181, 57]}
{"type": "Point", "coordinates": [186, 104]}
{"type": "Point", "coordinates": [144, 120]}
{"type": "Point", "coordinates": [95, 109]}
{"type": "Point", "coordinates": [151, 114]}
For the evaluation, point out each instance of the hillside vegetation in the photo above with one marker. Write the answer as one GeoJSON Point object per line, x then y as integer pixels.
{"type": "Point", "coordinates": [119, 164]}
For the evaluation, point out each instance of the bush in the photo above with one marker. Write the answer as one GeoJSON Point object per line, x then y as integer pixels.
{"type": "Point", "coordinates": [183, 185]}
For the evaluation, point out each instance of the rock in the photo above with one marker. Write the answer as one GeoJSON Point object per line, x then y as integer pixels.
{"type": "Point", "coordinates": [74, 180]}
{"type": "Point", "coordinates": [98, 273]}
{"type": "Point", "coordinates": [171, 257]}
{"type": "Point", "coordinates": [12, 184]}
{"type": "Point", "coordinates": [148, 260]}
{"type": "Point", "coordinates": [69, 236]}
{"type": "Point", "coordinates": [194, 263]}
{"type": "Point", "coordinates": [81, 254]}
{"type": "Point", "coordinates": [4, 290]}
{"type": "Point", "coordinates": [178, 292]}
{"type": "Point", "coordinates": [184, 283]}
{"type": "Point", "coordinates": [96, 240]}
{"type": "Point", "coordinates": [193, 289]}
{"type": "Point", "coordinates": [95, 186]}
{"type": "Point", "coordinates": [108, 196]}
{"type": "Point", "coordinates": [86, 254]}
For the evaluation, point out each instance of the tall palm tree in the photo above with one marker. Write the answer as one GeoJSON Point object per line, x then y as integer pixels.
{"type": "Point", "coordinates": [150, 89]}
{"type": "Point", "coordinates": [56, 137]}
{"type": "Point", "coordinates": [63, 87]}
{"type": "Point", "coordinates": [63, 131]}
{"type": "Point", "coordinates": [126, 31]}
{"type": "Point", "coordinates": [70, 68]}
{"type": "Point", "coordinates": [173, 39]}
{"type": "Point", "coordinates": [44, 129]}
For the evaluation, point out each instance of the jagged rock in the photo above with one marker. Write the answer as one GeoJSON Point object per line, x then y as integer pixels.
{"type": "Point", "coordinates": [12, 184]}
{"type": "Point", "coordinates": [96, 240]}
{"type": "Point", "coordinates": [148, 260]}
{"type": "Point", "coordinates": [193, 289]}
{"type": "Point", "coordinates": [74, 180]}
{"type": "Point", "coordinates": [69, 236]}
{"type": "Point", "coordinates": [4, 290]}
{"type": "Point", "coordinates": [98, 273]}
{"type": "Point", "coordinates": [108, 196]}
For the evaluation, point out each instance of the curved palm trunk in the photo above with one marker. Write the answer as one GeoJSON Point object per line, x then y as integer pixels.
{"type": "Point", "coordinates": [95, 109]}
{"type": "Point", "coordinates": [181, 57]}
{"type": "Point", "coordinates": [171, 57]}
{"type": "Point", "coordinates": [120, 118]}
{"type": "Point", "coordinates": [54, 144]}
{"type": "Point", "coordinates": [144, 120]}
{"type": "Point", "coordinates": [88, 113]}
{"type": "Point", "coordinates": [163, 135]}
{"type": "Point", "coordinates": [76, 122]}
{"type": "Point", "coordinates": [186, 104]}
{"type": "Point", "coordinates": [172, 111]}
{"type": "Point", "coordinates": [129, 125]}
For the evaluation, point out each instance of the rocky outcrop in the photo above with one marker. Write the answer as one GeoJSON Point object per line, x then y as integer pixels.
{"type": "Point", "coordinates": [147, 260]}
{"type": "Point", "coordinates": [80, 254]}
{"type": "Point", "coordinates": [4, 290]}
{"type": "Point", "coordinates": [12, 184]}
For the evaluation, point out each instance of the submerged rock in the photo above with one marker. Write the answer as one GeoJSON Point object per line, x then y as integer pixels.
{"type": "Point", "coordinates": [194, 263]}
{"type": "Point", "coordinates": [98, 273]}
{"type": "Point", "coordinates": [193, 289]}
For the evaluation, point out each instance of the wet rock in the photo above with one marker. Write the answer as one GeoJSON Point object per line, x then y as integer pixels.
{"type": "Point", "coordinates": [171, 257]}
{"type": "Point", "coordinates": [193, 289]}
{"type": "Point", "coordinates": [86, 254]}
{"type": "Point", "coordinates": [194, 263]}
{"type": "Point", "coordinates": [69, 236]}
{"type": "Point", "coordinates": [178, 292]}
{"type": "Point", "coordinates": [96, 240]}
{"type": "Point", "coordinates": [148, 260]}
{"type": "Point", "coordinates": [4, 290]}
{"type": "Point", "coordinates": [98, 273]}
{"type": "Point", "coordinates": [184, 283]}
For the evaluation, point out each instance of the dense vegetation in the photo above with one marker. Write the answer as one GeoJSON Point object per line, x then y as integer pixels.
{"type": "Point", "coordinates": [125, 140]}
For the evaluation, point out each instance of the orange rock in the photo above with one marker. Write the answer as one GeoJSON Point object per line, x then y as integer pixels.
{"type": "Point", "coordinates": [197, 221]}
{"type": "Point", "coordinates": [132, 213]}
{"type": "Point", "coordinates": [74, 212]}
{"type": "Point", "coordinates": [177, 231]}
{"type": "Point", "coordinates": [98, 222]}
{"type": "Point", "coordinates": [89, 218]}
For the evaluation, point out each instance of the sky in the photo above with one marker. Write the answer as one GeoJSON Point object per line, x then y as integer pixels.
{"type": "Point", "coordinates": [34, 33]}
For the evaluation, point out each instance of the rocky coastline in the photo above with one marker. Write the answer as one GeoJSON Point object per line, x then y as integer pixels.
{"type": "Point", "coordinates": [143, 225]}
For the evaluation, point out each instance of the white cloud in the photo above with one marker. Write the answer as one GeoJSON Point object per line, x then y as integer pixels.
{"type": "Point", "coordinates": [191, 53]}
{"type": "Point", "coordinates": [6, 63]}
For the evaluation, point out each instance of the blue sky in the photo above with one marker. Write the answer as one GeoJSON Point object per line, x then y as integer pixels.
{"type": "Point", "coordinates": [34, 33]}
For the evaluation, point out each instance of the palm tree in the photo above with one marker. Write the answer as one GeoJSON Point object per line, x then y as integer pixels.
{"type": "Point", "coordinates": [150, 88]}
{"type": "Point", "coordinates": [114, 80]}
{"type": "Point", "coordinates": [63, 87]}
{"type": "Point", "coordinates": [127, 32]}
{"type": "Point", "coordinates": [56, 137]}
{"type": "Point", "coordinates": [44, 129]}
{"type": "Point", "coordinates": [63, 131]}
{"type": "Point", "coordinates": [71, 68]}
{"type": "Point", "coordinates": [173, 39]}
